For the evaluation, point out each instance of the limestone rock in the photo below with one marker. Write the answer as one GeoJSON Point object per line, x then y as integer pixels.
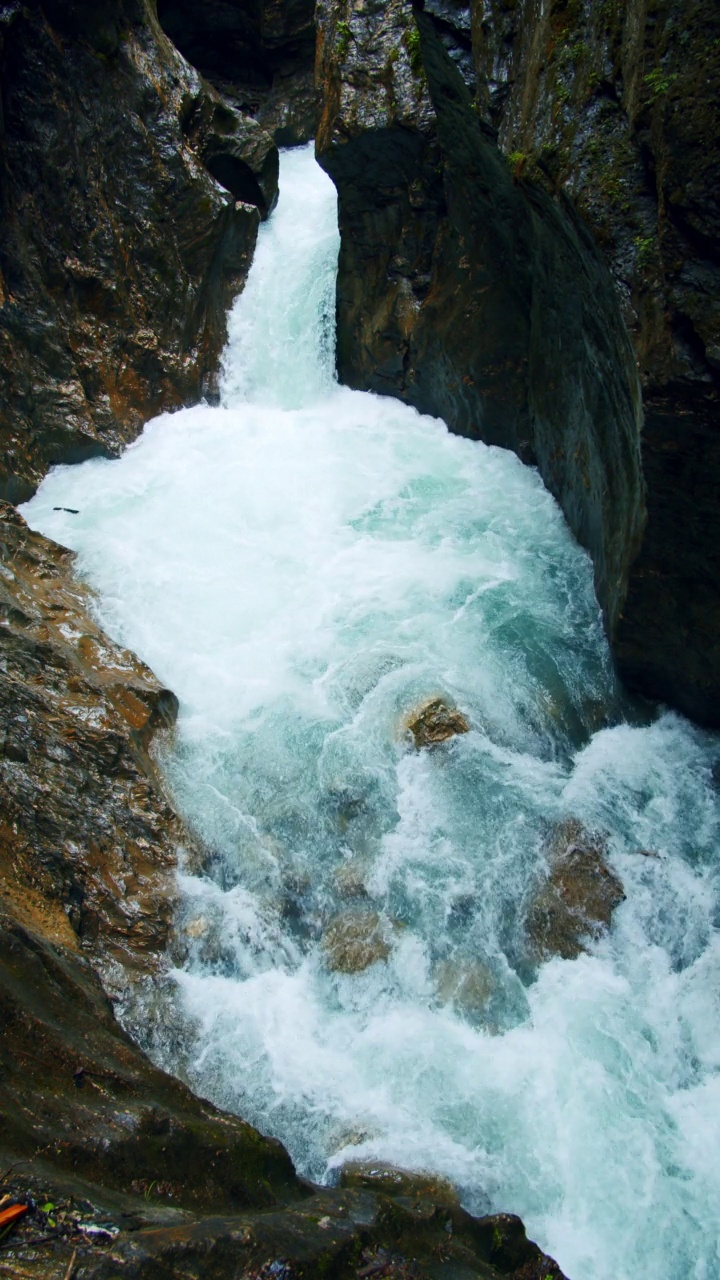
{"type": "Point", "coordinates": [236, 150]}
{"type": "Point", "coordinates": [435, 722]}
{"type": "Point", "coordinates": [349, 880]}
{"type": "Point", "coordinates": [119, 252]}
{"type": "Point", "coordinates": [479, 219]}
{"type": "Point", "coordinates": [467, 983]}
{"type": "Point", "coordinates": [579, 896]}
{"type": "Point", "coordinates": [355, 940]}
{"type": "Point", "coordinates": [259, 53]}
{"type": "Point", "coordinates": [376, 1175]}
{"type": "Point", "coordinates": [87, 837]}
{"type": "Point", "coordinates": [466, 293]}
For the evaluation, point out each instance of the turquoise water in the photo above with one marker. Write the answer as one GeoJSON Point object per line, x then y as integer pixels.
{"type": "Point", "coordinates": [304, 566]}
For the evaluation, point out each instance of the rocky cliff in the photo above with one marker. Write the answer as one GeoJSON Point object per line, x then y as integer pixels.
{"type": "Point", "coordinates": [130, 194]}
{"type": "Point", "coordinates": [528, 201]}
{"type": "Point", "coordinates": [259, 53]}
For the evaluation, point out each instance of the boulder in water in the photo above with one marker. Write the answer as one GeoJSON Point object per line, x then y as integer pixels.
{"type": "Point", "coordinates": [355, 940]}
{"type": "Point", "coordinates": [467, 983]}
{"type": "Point", "coordinates": [435, 721]}
{"type": "Point", "coordinates": [579, 896]}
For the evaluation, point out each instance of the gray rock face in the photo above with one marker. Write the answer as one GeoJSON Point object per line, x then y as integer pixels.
{"type": "Point", "coordinates": [259, 53]}
{"type": "Point", "coordinates": [617, 107]}
{"type": "Point", "coordinates": [468, 293]}
{"type": "Point", "coordinates": [119, 251]}
{"type": "Point", "coordinates": [479, 295]}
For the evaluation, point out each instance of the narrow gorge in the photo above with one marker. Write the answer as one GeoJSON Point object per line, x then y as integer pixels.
{"type": "Point", "coordinates": [389, 850]}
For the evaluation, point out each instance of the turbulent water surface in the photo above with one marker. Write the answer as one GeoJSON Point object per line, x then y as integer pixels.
{"type": "Point", "coordinates": [304, 565]}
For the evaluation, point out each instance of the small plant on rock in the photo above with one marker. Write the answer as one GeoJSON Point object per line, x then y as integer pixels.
{"type": "Point", "coordinates": [659, 82]}
{"type": "Point", "coordinates": [344, 33]}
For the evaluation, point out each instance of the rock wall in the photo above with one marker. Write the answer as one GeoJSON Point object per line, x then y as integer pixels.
{"type": "Point", "coordinates": [503, 236]}
{"type": "Point", "coordinates": [129, 203]}
{"type": "Point", "coordinates": [616, 106]}
{"type": "Point", "coordinates": [470, 294]}
{"type": "Point", "coordinates": [259, 53]}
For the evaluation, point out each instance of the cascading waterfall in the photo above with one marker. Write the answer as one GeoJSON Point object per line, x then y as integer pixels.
{"type": "Point", "coordinates": [304, 565]}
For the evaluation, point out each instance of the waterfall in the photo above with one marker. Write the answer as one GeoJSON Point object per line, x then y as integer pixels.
{"type": "Point", "coordinates": [306, 566]}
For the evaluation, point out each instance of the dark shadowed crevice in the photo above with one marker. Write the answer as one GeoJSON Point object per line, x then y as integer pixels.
{"type": "Point", "coordinates": [237, 178]}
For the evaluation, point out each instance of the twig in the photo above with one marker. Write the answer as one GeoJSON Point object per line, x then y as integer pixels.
{"type": "Point", "coordinates": [19, 1163]}
{"type": "Point", "coordinates": [27, 1244]}
{"type": "Point", "coordinates": [71, 1268]}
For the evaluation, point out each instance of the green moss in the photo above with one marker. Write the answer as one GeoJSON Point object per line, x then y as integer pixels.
{"type": "Point", "coordinates": [645, 247]}
{"type": "Point", "coordinates": [411, 40]}
{"type": "Point", "coordinates": [517, 161]}
{"type": "Point", "coordinates": [658, 82]}
{"type": "Point", "coordinates": [343, 40]}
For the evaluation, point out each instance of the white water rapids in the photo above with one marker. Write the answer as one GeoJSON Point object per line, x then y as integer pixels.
{"type": "Point", "coordinates": [304, 565]}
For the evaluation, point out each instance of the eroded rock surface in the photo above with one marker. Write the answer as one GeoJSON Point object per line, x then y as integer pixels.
{"type": "Point", "coordinates": [119, 250]}
{"type": "Point", "coordinates": [355, 940]}
{"type": "Point", "coordinates": [617, 107]}
{"type": "Point", "coordinates": [435, 722]}
{"type": "Point", "coordinates": [577, 900]}
{"type": "Point", "coordinates": [467, 293]}
{"type": "Point", "coordinates": [87, 838]}
{"type": "Point", "coordinates": [259, 53]}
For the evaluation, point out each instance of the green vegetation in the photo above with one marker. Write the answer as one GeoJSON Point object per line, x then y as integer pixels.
{"type": "Point", "coordinates": [517, 161]}
{"type": "Point", "coordinates": [411, 40]}
{"type": "Point", "coordinates": [659, 82]}
{"type": "Point", "coordinates": [645, 246]}
{"type": "Point", "coordinates": [343, 44]}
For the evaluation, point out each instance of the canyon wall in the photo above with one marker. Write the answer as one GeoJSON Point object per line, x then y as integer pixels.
{"type": "Point", "coordinates": [528, 202]}
{"type": "Point", "coordinates": [130, 193]}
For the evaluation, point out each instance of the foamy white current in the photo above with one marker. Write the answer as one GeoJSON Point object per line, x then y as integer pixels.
{"type": "Point", "coordinates": [303, 565]}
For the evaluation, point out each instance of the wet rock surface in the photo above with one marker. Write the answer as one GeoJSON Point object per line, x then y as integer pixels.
{"type": "Point", "coordinates": [468, 293]}
{"type": "Point", "coordinates": [119, 250]}
{"type": "Point", "coordinates": [616, 107]}
{"type": "Point", "coordinates": [120, 1169]}
{"type": "Point", "coordinates": [355, 940]}
{"type": "Point", "coordinates": [610, 112]}
{"type": "Point", "coordinates": [259, 53]}
{"type": "Point", "coordinates": [577, 901]}
{"type": "Point", "coordinates": [87, 838]}
{"type": "Point", "coordinates": [436, 722]}
{"type": "Point", "coordinates": [145, 1180]}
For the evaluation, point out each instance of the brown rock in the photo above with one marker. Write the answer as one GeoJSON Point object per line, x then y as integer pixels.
{"type": "Point", "coordinates": [435, 722]}
{"type": "Point", "coordinates": [87, 838]}
{"type": "Point", "coordinates": [119, 251]}
{"type": "Point", "coordinates": [355, 940]}
{"type": "Point", "coordinates": [468, 983]}
{"type": "Point", "coordinates": [578, 898]}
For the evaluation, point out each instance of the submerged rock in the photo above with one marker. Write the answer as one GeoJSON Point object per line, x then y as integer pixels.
{"type": "Point", "coordinates": [435, 722]}
{"type": "Point", "coordinates": [577, 900]}
{"type": "Point", "coordinates": [355, 940]}
{"type": "Point", "coordinates": [467, 983]}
